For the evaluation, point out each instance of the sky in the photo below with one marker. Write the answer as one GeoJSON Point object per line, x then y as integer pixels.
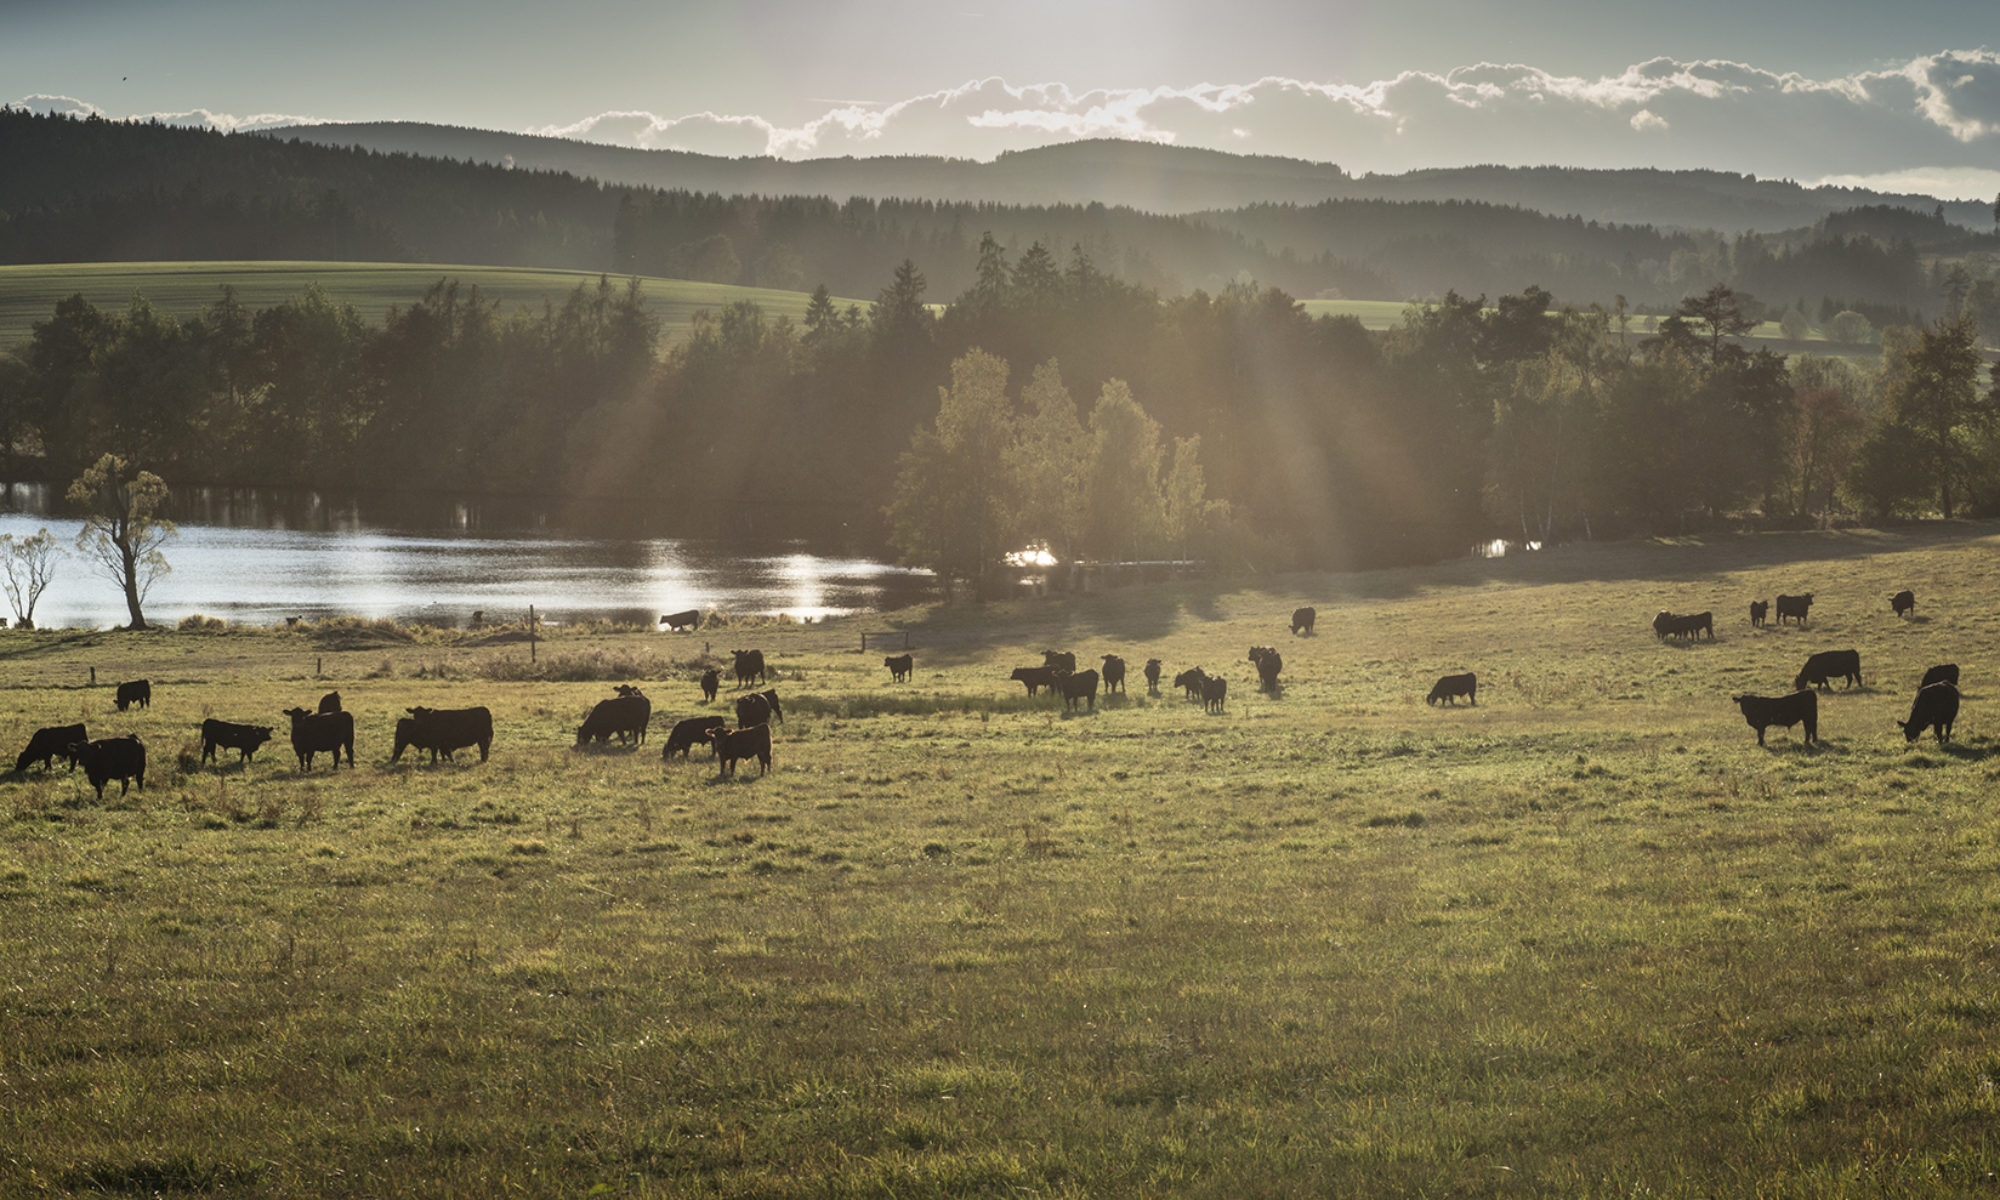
{"type": "Point", "coordinates": [1900, 96]}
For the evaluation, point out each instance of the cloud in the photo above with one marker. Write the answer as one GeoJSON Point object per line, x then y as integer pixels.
{"type": "Point", "coordinates": [200, 118]}
{"type": "Point", "coordinates": [1646, 119]}
{"type": "Point", "coordinates": [1946, 183]}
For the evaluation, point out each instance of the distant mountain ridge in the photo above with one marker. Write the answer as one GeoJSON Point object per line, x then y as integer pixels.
{"type": "Point", "coordinates": [1156, 178]}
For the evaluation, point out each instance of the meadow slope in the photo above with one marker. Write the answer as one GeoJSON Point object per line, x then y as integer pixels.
{"type": "Point", "coordinates": [1585, 938]}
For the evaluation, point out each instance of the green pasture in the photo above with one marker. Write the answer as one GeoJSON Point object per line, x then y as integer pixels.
{"type": "Point", "coordinates": [1586, 938]}
{"type": "Point", "coordinates": [28, 294]}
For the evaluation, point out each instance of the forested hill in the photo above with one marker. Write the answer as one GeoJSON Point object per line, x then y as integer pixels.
{"type": "Point", "coordinates": [1162, 179]}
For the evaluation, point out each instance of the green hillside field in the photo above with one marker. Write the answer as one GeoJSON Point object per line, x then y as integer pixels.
{"type": "Point", "coordinates": [28, 293]}
{"type": "Point", "coordinates": [1584, 938]}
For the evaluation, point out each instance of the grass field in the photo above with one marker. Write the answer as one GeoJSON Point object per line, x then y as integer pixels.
{"type": "Point", "coordinates": [1586, 938]}
{"type": "Point", "coordinates": [29, 293]}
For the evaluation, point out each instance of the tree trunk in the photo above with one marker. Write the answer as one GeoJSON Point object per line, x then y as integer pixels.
{"type": "Point", "coordinates": [131, 585]}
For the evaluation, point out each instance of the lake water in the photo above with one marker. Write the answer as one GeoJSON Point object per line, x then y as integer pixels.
{"type": "Point", "coordinates": [259, 557]}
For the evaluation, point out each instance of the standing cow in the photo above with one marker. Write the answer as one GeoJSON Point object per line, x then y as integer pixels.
{"type": "Point", "coordinates": [1903, 602]}
{"type": "Point", "coordinates": [1302, 621]}
{"type": "Point", "coordinates": [900, 667]}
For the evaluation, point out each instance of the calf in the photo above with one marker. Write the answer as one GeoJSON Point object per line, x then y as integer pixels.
{"type": "Point", "coordinates": [1034, 678]}
{"type": "Point", "coordinates": [711, 683]}
{"type": "Point", "coordinates": [316, 732]}
{"type": "Point", "coordinates": [1080, 686]}
{"type": "Point", "coordinates": [1152, 677]}
{"type": "Point", "coordinates": [1302, 620]}
{"type": "Point", "coordinates": [732, 745]}
{"type": "Point", "coordinates": [51, 742]}
{"type": "Point", "coordinates": [106, 759]}
{"type": "Point", "coordinates": [444, 731]}
{"type": "Point", "coordinates": [1794, 607]}
{"type": "Point", "coordinates": [139, 692]}
{"type": "Point", "coordinates": [685, 734]}
{"type": "Point", "coordinates": [749, 667]}
{"type": "Point", "coordinates": [624, 715]}
{"type": "Point", "coordinates": [330, 702]}
{"type": "Point", "coordinates": [1190, 682]}
{"type": "Point", "coordinates": [1759, 610]}
{"type": "Point", "coordinates": [1762, 712]}
{"type": "Point", "coordinates": [1935, 708]}
{"type": "Point", "coordinates": [244, 739]}
{"type": "Point", "coordinates": [1114, 674]}
{"type": "Point", "coordinates": [1903, 602]}
{"type": "Point", "coordinates": [682, 620]}
{"type": "Point", "coordinates": [900, 667]}
{"type": "Point", "coordinates": [1943, 673]}
{"type": "Point", "coordinates": [1449, 688]}
{"type": "Point", "coordinates": [1213, 693]}
{"type": "Point", "coordinates": [1821, 668]}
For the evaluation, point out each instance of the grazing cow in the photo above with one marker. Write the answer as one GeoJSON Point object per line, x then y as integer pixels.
{"type": "Point", "coordinates": [711, 683]}
{"type": "Point", "coordinates": [1794, 607]}
{"type": "Point", "coordinates": [771, 698]}
{"type": "Point", "coordinates": [752, 709]}
{"type": "Point", "coordinates": [1904, 601]}
{"type": "Point", "coordinates": [139, 692]}
{"type": "Point", "coordinates": [1759, 610]}
{"type": "Point", "coordinates": [682, 620]}
{"type": "Point", "coordinates": [1302, 620]}
{"type": "Point", "coordinates": [685, 734]}
{"type": "Point", "coordinates": [1935, 708]}
{"type": "Point", "coordinates": [900, 667]}
{"type": "Point", "coordinates": [1942, 673]}
{"type": "Point", "coordinates": [244, 739]}
{"type": "Point", "coordinates": [1449, 688]}
{"type": "Point", "coordinates": [49, 743]}
{"type": "Point", "coordinates": [732, 745]}
{"type": "Point", "coordinates": [1190, 681]}
{"type": "Point", "coordinates": [1762, 712]}
{"type": "Point", "coordinates": [749, 667]}
{"type": "Point", "coordinates": [443, 731]}
{"type": "Point", "coordinates": [1080, 686]}
{"type": "Point", "coordinates": [1269, 663]}
{"type": "Point", "coordinates": [624, 715]}
{"type": "Point", "coordinates": [1114, 674]}
{"type": "Point", "coordinates": [330, 702]}
{"type": "Point", "coordinates": [1034, 678]}
{"type": "Point", "coordinates": [1059, 660]}
{"type": "Point", "coordinates": [106, 759]}
{"type": "Point", "coordinates": [1213, 692]}
{"type": "Point", "coordinates": [1821, 668]}
{"type": "Point", "coordinates": [315, 732]}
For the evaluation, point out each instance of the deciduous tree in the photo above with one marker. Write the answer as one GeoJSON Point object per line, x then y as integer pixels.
{"type": "Point", "coordinates": [28, 563]}
{"type": "Point", "coordinates": [122, 527]}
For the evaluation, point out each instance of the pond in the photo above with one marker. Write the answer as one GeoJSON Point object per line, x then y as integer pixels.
{"type": "Point", "coordinates": [258, 557]}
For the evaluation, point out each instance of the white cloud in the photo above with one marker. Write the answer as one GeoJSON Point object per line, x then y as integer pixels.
{"type": "Point", "coordinates": [1946, 183]}
{"type": "Point", "coordinates": [1646, 119]}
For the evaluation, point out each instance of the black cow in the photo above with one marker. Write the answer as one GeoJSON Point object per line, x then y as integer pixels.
{"type": "Point", "coordinates": [1034, 678]}
{"type": "Point", "coordinates": [1152, 677]}
{"type": "Point", "coordinates": [682, 620]}
{"type": "Point", "coordinates": [1666, 624]}
{"type": "Point", "coordinates": [628, 690]}
{"type": "Point", "coordinates": [1080, 686]}
{"type": "Point", "coordinates": [1059, 660]}
{"type": "Point", "coordinates": [1269, 663]}
{"type": "Point", "coordinates": [685, 734]}
{"type": "Point", "coordinates": [1794, 607]}
{"type": "Point", "coordinates": [711, 683]}
{"type": "Point", "coordinates": [244, 739]}
{"type": "Point", "coordinates": [1759, 610]}
{"type": "Point", "coordinates": [1114, 674]}
{"type": "Point", "coordinates": [51, 742]}
{"type": "Point", "coordinates": [1190, 682]}
{"type": "Point", "coordinates": [330, 702]}
{"type": "Point", "coordinates": [1942, 673]}
{"type": "Point", "coordinates": [752, 709]}
{"type": "Point", "coordinates": [900, 667]}
{"type": "Point", "coordinates": [1904, 601]}
{"type": "Point", "coordinates": [732, 745]}
{"type": "Point", "coordinates": [1449, 688]}
{"type": "Point", "coordinates": [444, 731]}
{"type": "Point", "coordinates": [623, 715]}
{"type": "Point", "coordinates": [1821, 669]}
{"type": "Point", "coordinates": [1762, 712]}
{"type": "Point", "coordinates": [1302, 620]}
{"type": "Point", "coordinates": [106, 759]}
{"type": "Point", "coordinates": [315, 732]}
{"type": "Point", "coordinates": [139, 692]}
{"type": "Point", "coordinates": [1935, 708]}
{"type": "Point", "coordinates": [749, 667]}
{"type": "Point", "coordinates": [1214, 691]}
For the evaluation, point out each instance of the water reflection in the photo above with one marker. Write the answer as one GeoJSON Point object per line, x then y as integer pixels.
{"type": "Point", "coordinates": [257, 558]}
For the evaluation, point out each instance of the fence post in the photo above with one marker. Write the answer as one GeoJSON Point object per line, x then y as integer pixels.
{"type": "Point", "coordinates": [531, 633]}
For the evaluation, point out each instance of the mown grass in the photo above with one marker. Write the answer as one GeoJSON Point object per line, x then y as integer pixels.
{"type": "Point", "coordinates": [28, 293]}
{"type": "Point", "coordinates": [1586, 938]}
